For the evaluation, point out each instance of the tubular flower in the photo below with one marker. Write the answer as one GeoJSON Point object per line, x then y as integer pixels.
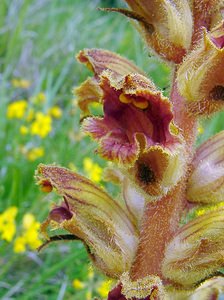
{"type": "Point", "coordinates": [165, 240]}
{"type": "Point", "coordinates": [200, 78]}
{"type": "Point", "coordinates": [88, 213]}
{"type": "Point", "coordinates": [166, 25]}
{"type": "Point", "coordinates": [137, 131]}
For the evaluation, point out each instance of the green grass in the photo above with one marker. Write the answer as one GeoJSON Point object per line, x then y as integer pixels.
{"type": "Point", "coordinates": [38, 41]}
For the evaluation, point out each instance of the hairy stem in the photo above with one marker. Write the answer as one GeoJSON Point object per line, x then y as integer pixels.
{"type": "Point", "coordinates": [162, 218]}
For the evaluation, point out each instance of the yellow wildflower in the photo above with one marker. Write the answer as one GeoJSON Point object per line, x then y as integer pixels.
{"type": "Point", "coordinates": [31, 231]}
{"type": "Point", "coordinates": [104, 288]}
{"type": "Point", "coordinates": [39, 98]}
{"type": "Point", "coordinates": [30, 235]}
{"type": "Point", "coordinates": [19, 245]}
{"type": "Point", "coordinates": [90, 274]}
{"type": "Point", "coordinates": [21, 83]}
{"type": "Point", "coordinates": [77, 284]}
{"type": "Point", "coordinates": [89, 295]}
{"type": "Point", "coordinates": [23, 130]}
{"type": "Point", "coordinates": [55, 112]}
{"type": "Point", "coordinates": [16, 109]}
{"type": "Point", "coordinates": [28, 220]}
{"type": "Point", "coordinates": [7, 223]}
{"type": "Point", "coordinates": [41, 125]}
{"type": "Point", "coordinates": [30, 115]}
{"type": "Point", "coordinates": [35, 153]}
{"type": "Point", "coordinates": [93, 170]}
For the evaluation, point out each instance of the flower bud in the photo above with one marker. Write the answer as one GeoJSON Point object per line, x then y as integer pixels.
{"type": "Point", "coordinates": [200, 78]}
{"type": "Point", "coordinates": [165, 25]}
{"type": "Point", "coordinates": [88, 213]}
{"type": "Point", "coordinates": [206, 183]}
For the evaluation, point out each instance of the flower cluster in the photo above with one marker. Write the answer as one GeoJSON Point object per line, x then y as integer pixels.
{"type": "Point", "coordinates": [8, 224]}
{"type": "Point", "coordinates": [142, 240]}
{"type": "Point", "coordinates": [92, 170]}
{"type": "Point", "coordinates": [28, 238]}
{"type": "Point", "coordinates": [34, 122]}
{"type": "Point", "coordinates": [98, 287]}
{"type": "Point", "coordinates": [20, 83]}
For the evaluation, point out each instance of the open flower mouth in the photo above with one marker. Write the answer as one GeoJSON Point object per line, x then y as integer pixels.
{"type": "Point", "coordinates": [136, 116]}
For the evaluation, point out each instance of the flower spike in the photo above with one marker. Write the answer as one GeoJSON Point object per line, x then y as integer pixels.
{"type": "Point", "coordinates": [90, 214]}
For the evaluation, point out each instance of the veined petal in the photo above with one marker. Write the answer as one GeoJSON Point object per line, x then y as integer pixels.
{"type": "Point", "coordinates": [197, 250]}
{"type": "Point", "coordinates": [114, 144]}
{"type": "Point", "coordinates": [206, 183]}
{"type": "Point", "coordinates": [87, 93]}
{"type": "Point", "coordinates": [89, 213]}
{"type": "Point", "coordinates": [99, 60]}
{"type": "Point", "coordinates": [166, 25]}
{"type": "Point", "coordinates": [200, 78]}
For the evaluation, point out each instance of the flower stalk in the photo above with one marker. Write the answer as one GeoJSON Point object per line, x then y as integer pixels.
{"type": "Point", "coordinates": [150, 141]}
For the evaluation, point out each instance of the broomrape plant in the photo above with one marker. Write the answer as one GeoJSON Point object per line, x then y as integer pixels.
{"type": "Point", "coordinates": [150, 141]}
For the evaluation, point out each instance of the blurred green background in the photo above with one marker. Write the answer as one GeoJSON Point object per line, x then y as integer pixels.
{"type": "Point", "coordinates": [39, 122]}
